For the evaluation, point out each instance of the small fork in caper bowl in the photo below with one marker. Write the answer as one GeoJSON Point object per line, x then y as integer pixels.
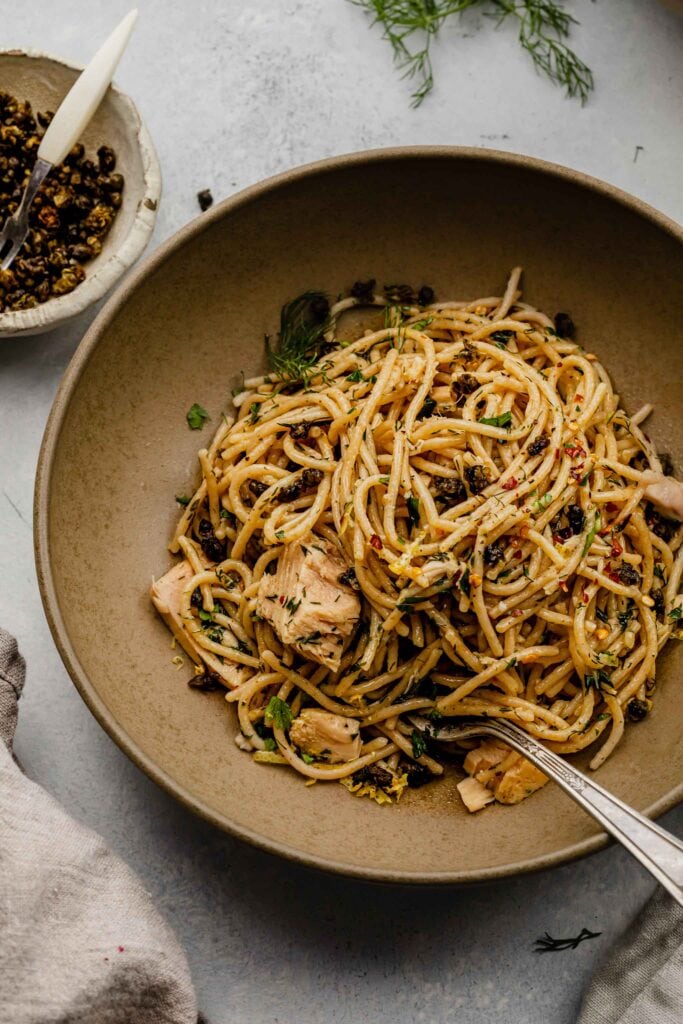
{"type": "Point", "coordinates": [94, 213]}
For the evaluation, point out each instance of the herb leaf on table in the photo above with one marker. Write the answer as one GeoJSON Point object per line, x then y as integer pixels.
{"type": "Point", "coordinates": [543, 26]}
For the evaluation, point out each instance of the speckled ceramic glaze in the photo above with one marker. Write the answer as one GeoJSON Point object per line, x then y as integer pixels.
{"type": "Point", "coordinates": [45, 81]}
{"type": "Point", "coordinates": [117, 449]}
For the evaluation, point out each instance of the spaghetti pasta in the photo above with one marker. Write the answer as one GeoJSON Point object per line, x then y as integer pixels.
{"type": "Point", "coordinates": [446, 514]}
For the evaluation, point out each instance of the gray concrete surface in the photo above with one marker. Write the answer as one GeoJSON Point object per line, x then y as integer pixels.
{"type": "Point", "coordinates": [233, 92]}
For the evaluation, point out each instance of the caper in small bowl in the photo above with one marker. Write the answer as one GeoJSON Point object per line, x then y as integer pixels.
{"type": "Point", "coordinates": [95, 212]}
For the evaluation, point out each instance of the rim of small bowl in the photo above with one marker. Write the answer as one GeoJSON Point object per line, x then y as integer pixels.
{"type": "Point", "coordinates": [41, 512]}
{"type": "Point", "coordinates": [50, 314]}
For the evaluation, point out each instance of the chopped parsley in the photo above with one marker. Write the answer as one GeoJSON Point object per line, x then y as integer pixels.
{"type": "Point", "coordinates": [419, 744]}
{"type": "Point", "coordinates": [196, 417]}
{"type": "Point", "coordinates": [592, 533]}
{"type": "Point", "coordinates": [675, 614]}
{"type": "Point", "coordinates": [182, 500]}
{"type": "Point", "coordinates": [624, 618]}
{"type": "Point", "coordinates": [503, 421]}
{"type": "Point", "coordinates": [254, 412]}
{"type": "Point", "coordinates": [279, 713]}
{"type": "Point", "coordinates": [413, 510]}
{"type": "Point", "coordinates": [597, 680]}
{"type": "Point", "coordinates": [355, 377]}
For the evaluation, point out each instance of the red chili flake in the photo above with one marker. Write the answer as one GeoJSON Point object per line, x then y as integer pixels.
{"type": "Point", "coordinates": [516, 613]}
{"type": "Point", "coordinates": [557, 539]}
{"type": "Point", "coordinates": [517, 554]}
{"type": "Point", "coordinates": [557, 454]}
{"type": "Point", "coordinates": [456, 576]}
{"type": "Point", "coordinates": [281, 598]}
{"type": "Point", "coordinates": [616, 550]}
{"type": "Point", "coordinates": [579, 398]}
{"type": "Point", "coordinates": [584, 597]}
{"type": "Point", "coordinates": [376, 542]}
{"type": "Point", "coordinates": [612, 574]}
{"type": "Point", "coordinates": [510, 484]}
{"type": "Point", "coordinates": [573, 450]}
{"type": "Point", "coordinates": [563, 586]}
{"type": "Point", "coordinates": [120, 949]}
{"type": "Point", "coordinates": [611, 507]}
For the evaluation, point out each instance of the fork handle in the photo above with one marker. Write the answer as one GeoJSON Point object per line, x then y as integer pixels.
{"type": "Point", "coordinates": [85, 95]}
{"type": "Point", "coordinates": [655, 848]}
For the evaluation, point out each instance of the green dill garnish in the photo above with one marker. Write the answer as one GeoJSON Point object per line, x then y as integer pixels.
{"type": "Point", "coordinates": [658, 571]}
{"type": "Point", "coordinates": [204, 615]}
{"type": "Point", "coordinates": [407, 603]}
{"type": "Point", "coordinates": [307, 759]}
{"type": "Point", "coordinates": [511, 663]}
{"type": "Point", "coordinates": [303, 323]}
{"type": "Point", "coordinates": [356, 376]}
{"type": "Point", "coordinates": [196, 416]}
{"type": "Point", "coordinates": [603, 616]}
{"type": "Point", "coordinates": [419, 744]}
{"type": "Point", "coordinates": [278, 713]}
{"type": "Point", "coordinates": [291, 605]}
{"type": "Point", "coordinates": [597, 680]}
{"type": "Point", "coordinates": [182, 500]}
{"type": "Point", "coordinates": [504, 420]}
{"type": "Point", "coordinates": [592, 533]}
{"type": "Point", "coordinates": [413, 510]}
{"type": "Point", "coordinates": [502, 338]}
{"type": "Point", "coordinates": [675, 614]}
{"type": "Point", "coordinates": [543, 26]}
{"type": "Point", "coordinates": [269, 743]}
{"type": "Point", "coordinates": [254, 412]}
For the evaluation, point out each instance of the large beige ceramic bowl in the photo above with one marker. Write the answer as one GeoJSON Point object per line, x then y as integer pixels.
{"type": "Point", "coordinates": [45, 81]}
{"type": "Point", "coordinates": [117, 449]}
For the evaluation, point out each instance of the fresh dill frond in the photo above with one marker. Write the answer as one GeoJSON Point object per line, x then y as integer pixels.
{"type": "Point", "coordinates": [303, 323]}
{"type": "Point", "coordinates": [543, 26]}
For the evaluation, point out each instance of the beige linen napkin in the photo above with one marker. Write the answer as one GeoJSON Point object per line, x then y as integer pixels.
{"type": "Point", "coordinates": [80, 942]}
{"type": "Point", "coordinates": [641, 981]}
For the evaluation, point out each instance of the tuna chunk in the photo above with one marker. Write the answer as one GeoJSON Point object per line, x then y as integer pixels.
{"type": "Point", "coordinates": [307, 606]}
{"type": "Point", "coordinates": [666, 492]}
{"type": "Point", "coordinates": [329, 737]}
{"type": "Point", "coordinates": [474, 795]}
{"type": "Point", "coordinates": [166, 593]}
{"type": "Point", "coordinates": [520, 780]}
{"type": "Point", "coordinates": [487, 755]}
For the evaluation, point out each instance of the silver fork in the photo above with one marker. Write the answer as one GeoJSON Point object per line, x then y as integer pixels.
{"type": "Point", "coordinates": [75, 110]}
{"type": "Point", "coordinates": [655, 848]}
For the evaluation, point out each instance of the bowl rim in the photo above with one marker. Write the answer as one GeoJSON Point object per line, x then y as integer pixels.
{"type": "Point", "coordinates": [48, 315]}
{"type": "Point", "coordinates": [46, 458]}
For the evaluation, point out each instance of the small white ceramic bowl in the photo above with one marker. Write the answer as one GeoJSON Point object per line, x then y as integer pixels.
{"type": "Point", "coordinates": [44, 81]}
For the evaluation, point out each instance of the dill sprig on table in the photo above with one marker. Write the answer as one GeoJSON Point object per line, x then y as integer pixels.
{"type": "Point", "coordinates": [543, 25]}
{"type": "Point", "coordinates": [547, 944]}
